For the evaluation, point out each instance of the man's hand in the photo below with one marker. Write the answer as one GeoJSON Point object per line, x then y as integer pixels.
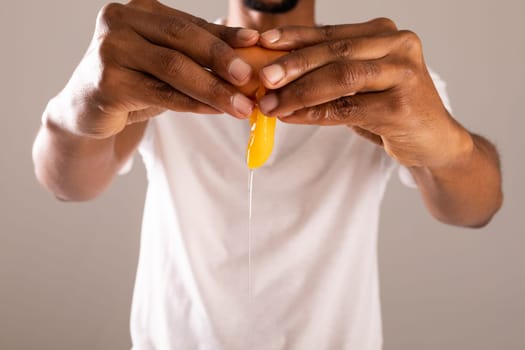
{"type": "Point", "coordinates": [146, 57]}
{"type": "Point", "coordinates": [371, 77]}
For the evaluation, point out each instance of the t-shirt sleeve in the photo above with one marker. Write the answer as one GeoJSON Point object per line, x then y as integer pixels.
{"type": "Point", "coordinates": [403, 173]}
{"type": "Point", "coordinates": [128, 165]}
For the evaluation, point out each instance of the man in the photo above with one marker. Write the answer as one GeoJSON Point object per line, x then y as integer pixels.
{"type": "Point", "coordinates": [317, 200]}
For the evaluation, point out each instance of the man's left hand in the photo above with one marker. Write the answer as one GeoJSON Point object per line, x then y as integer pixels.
{"type": "Point", "coordinates": [371, 77]}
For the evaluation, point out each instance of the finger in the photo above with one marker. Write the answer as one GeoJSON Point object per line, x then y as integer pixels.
{"type": "Point", "coordinates": [158, 94]}
{"type": "Point", "coordinates": [296, 37]}
{"type": "Point", "coordinates": [186, 76]}
{"type": "Point", "coordinates": [297, 63]}
{"type": "Point", "coordinates": [199, 44]}
{"type": "Point", "coordinates": [330, 82]}
{"type": "Point", "coordinates": [157, 7]}
{"type": "Point", "coordinates": [233, 36]}
{"type": "Point", "coordinates": [374, 112]}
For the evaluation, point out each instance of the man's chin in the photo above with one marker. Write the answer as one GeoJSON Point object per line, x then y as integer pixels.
{"type": "Point", "coordinates": [271, 6]}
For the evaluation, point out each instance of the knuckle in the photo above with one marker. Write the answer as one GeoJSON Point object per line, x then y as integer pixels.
{"type": "Point", "coordinates": [159, 91]}
{"type": "Point", "coordinates": [407, 70]}
{"type": "Point", "coordinates": [165, 94]}
{"type": "Point", "coordinates": [351, 77]}
{"type": "Point", "coordinates": [148, 5]}
{"type": "Point", "coordinates": [296, 62]}
{"type": "Point", "coordinates": [226, 34]}
{"type": "Point", "coordinates": [409, 73]}
{"type": "Point", "coordinates": [341, 48]}
{"type": "Point", "coordinates": [345, 109]}
{"type": "Point", "coordinates": [106, 47]}
{"type": "Point", "coordinates": [328, 31]}
{"type": "Point", "coordinates": [110, 14]}
{"type": "Point", "coordinates": [149, 85]}
{"type": "Point", "coordinates": [198, 21]}
{"type": "Point", "coordinates": [171, 63]}
{"type": "Point", "coordinates": [218, 90]}
{"type": "Point", "coordinates": [411, 45]}
{"type": "Point", "coordinates": [317, 114]}
{"type": "Point", "coordinates": [299, 93]}
{"type": "Point", "coordinates": [186, 103]}
{"type": "Point", "coordinates": [346, 75]}
{"type": "Point", "coordinates": [370, 70]}
{"type": "Point", "coordinates": [411, 41]}
{"type": "Point", "coordinates": [177, 27]}
{"type": "Point", "coordinates": [219, 49]}
{"type": "Point", "coordinates": [384, 24]}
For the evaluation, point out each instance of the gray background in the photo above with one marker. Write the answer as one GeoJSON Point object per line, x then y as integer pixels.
{"type": "Point", "coordinates": [67, 270]}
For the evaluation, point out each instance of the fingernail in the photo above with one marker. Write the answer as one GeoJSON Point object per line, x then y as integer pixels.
{"type": "Point", "coordinates": [242, 104]}
{"type": "Point", "coordinates": [239, 70]}
{"type": "Point", "coordinates": [268, 103]}
{"type": "Point", "coordinates": [247, 34]}
{"type": "Point", "coordinates": [274, 73]}
{"type": "Point", "coordinates": [271, 36]}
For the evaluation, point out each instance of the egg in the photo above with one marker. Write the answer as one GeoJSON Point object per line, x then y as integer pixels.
{"type": "Point", "coordinates": [262, 127]}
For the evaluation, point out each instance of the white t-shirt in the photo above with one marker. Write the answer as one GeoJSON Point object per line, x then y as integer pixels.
{"type": "Point", "coordinates": [315, 218]}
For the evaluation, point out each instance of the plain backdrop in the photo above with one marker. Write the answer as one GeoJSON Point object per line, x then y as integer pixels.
{"type": "Point", "coordinates": [67, 270]}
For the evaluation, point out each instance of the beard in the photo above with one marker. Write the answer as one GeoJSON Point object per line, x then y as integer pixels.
{"type": "Point", "coordinates": [272, 7]}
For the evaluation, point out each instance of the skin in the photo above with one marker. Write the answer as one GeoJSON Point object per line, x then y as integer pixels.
{"type": "Point", "coordinates": [370, 77]}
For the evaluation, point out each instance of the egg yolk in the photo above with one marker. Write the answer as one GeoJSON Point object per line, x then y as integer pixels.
{"type": "Point", "coordinates": [262, 127]}
{"type": "Point", "coordinates": [262, 134]}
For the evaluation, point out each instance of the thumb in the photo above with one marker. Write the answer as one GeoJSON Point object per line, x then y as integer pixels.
{"type": "Point", "coordinates": [234, 36]}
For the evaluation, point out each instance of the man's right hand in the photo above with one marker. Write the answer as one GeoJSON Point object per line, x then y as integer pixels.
{"type": "Point", "coordinates": [145, 58]}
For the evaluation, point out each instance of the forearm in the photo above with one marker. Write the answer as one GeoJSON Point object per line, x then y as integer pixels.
{"type": "Point", "coordinates": [467, 193]}
{"type": "Point", "coordinates": [70, 166]}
